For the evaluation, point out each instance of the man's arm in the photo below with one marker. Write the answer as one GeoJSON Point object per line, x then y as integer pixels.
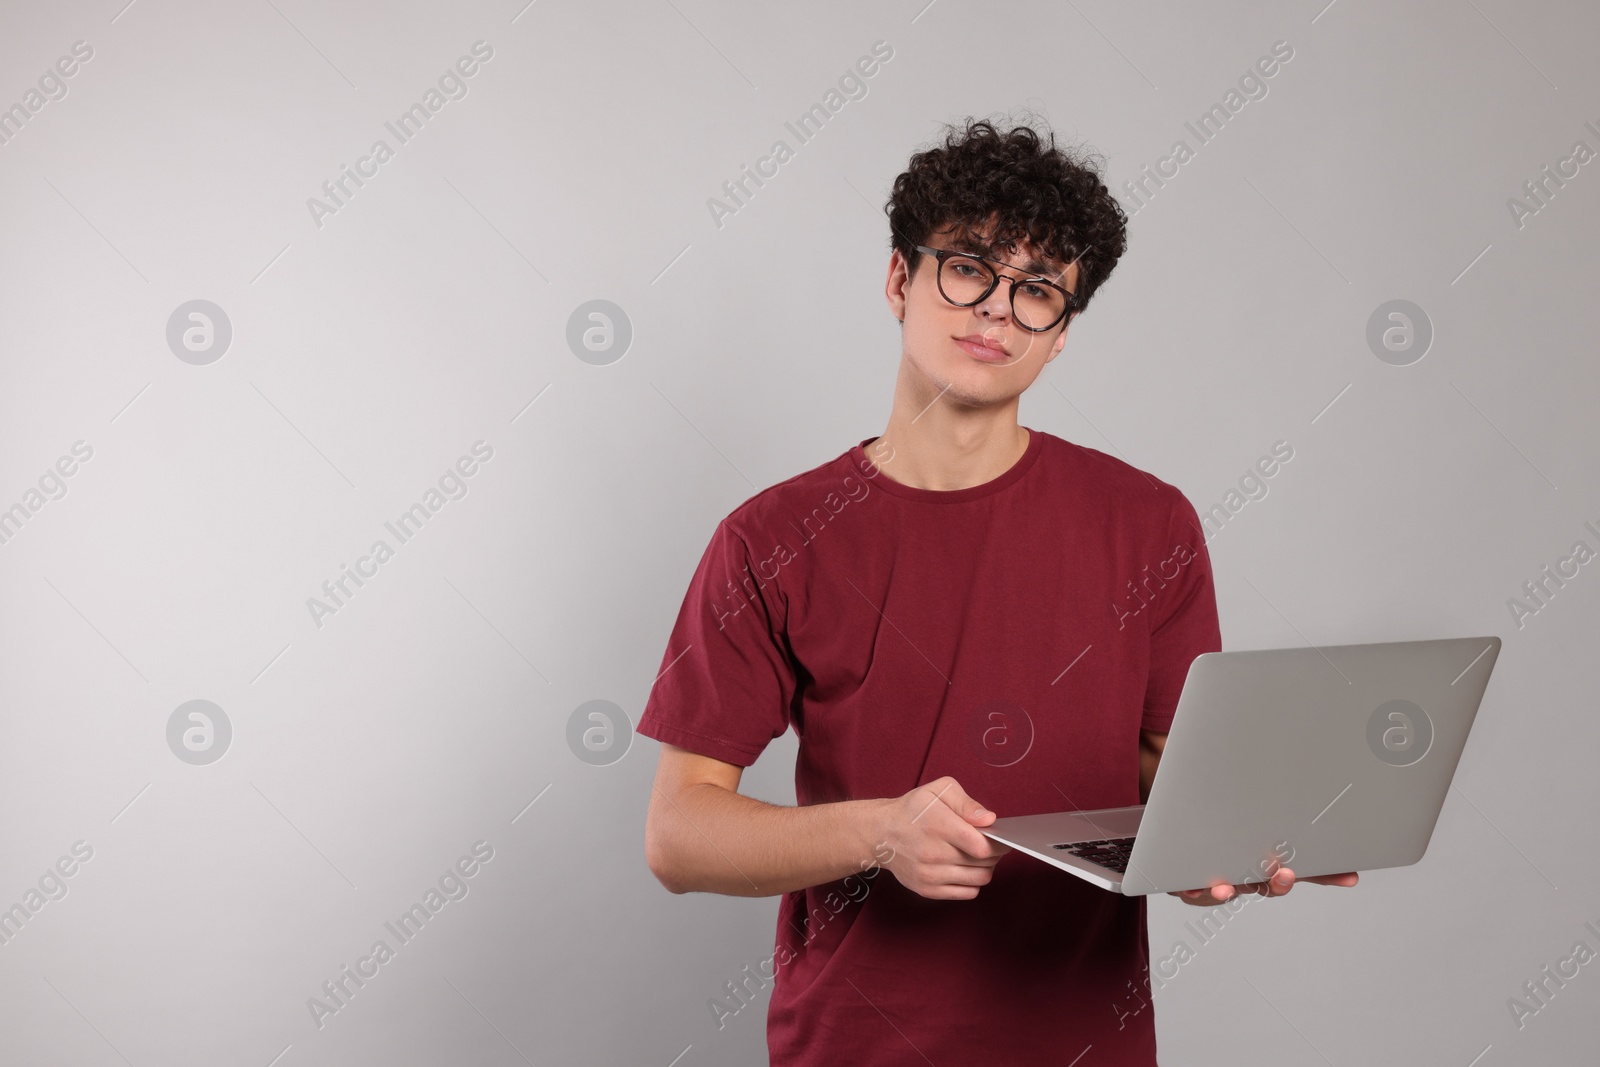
{"type": "Point", "coordinates": [1151, 745]}
{"type": "Point", "coordinates": [701, 835]}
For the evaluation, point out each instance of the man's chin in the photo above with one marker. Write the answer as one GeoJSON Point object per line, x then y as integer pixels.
{"type": "Point", "coordinates": [976, 395]}
{"type": "Point", "coordinates": [969, 382]}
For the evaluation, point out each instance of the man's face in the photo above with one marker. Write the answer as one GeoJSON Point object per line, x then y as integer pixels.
{"type": "Point", "coordinates": [974, 355]}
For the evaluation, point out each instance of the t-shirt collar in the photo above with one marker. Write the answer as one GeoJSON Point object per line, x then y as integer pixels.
{"type": "Point", "coordinates": [881, 479]}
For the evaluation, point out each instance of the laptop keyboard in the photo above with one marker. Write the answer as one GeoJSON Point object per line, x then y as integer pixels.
{"type": "Point", "coordinates": [1112, 853]}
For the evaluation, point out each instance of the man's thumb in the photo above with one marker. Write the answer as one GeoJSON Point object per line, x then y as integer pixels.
{"type": "Point", "coordinates": [972, 811]}
{"type": "Point", "coordinates": [963, 805]}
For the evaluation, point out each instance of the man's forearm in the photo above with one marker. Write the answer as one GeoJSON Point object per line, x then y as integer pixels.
{"type": "Point", "coordinates": [712, 840]}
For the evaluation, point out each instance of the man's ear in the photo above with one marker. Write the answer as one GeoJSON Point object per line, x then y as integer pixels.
{"type": "Point", "coordinates": [895, 286]}
{"type": "Point", "coordinates": [1060, 342]}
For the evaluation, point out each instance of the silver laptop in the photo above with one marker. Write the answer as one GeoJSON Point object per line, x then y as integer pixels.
{"type": "Point", "coordinates": [1322, 760]}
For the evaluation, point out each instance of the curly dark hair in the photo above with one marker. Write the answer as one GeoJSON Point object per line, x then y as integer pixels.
{"type": "Point", "coordinates": [1032, 189]}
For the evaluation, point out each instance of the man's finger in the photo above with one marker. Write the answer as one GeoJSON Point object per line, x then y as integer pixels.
{"type": "Point", "coordinates": [959, 874]}
{"type": "Point", "coordinates": [988, 857]}
{"type": "Point", "coordinates": [1210, 891]}
{"type": "Point", "coordinates": [964, 831]}
{"type": "Point", "coordinates": [969, 840]}
{"type": "Point", "coordinates": [964, 839]}
{"type": "Point", "coordinates": [1280, 883]}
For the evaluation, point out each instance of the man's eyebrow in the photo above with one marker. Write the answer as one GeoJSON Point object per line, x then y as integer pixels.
{"type": "Point", "coordinates": [1032, 266]}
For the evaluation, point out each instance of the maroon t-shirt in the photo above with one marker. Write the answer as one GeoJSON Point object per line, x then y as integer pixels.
{"type": "Point", "coordinates": [1015, 635]}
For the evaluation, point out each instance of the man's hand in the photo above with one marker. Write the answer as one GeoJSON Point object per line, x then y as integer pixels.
{"type": "Point", "coordinates": [1280, 883]}
{"type": "Point", "coordinates": [938, 852]}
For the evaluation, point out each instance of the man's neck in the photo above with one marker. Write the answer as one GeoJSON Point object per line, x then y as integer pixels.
{"type": "Point", "coordinates": [942, 445]}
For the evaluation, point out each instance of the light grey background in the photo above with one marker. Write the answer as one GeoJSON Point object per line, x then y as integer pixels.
{"type": "Point", "coordinates": [431, 711]}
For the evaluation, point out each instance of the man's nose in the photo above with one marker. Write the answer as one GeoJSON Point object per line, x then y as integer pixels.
{"type": "Point", "coordinates": [998, 303]}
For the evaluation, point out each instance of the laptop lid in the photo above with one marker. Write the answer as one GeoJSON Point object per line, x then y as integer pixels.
{"type": "Point", "coordinates": [1322, 760]}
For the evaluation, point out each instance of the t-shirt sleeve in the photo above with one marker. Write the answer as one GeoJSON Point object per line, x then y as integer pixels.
{"type": "Point", "coordinates": [727, 680]}
{"type": "Point", "coordinates": [1184, 624]}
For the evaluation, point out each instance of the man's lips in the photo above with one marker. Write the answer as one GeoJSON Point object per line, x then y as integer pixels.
{"type": "Point", "coordinates": [974, 345]}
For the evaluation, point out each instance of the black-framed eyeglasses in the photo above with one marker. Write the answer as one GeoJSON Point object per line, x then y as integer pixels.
{"type": "Point", "coordinates": [966, 279]}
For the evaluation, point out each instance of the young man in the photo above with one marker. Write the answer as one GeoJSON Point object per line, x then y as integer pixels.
{"type": "Point", "coordinates": [959, 609]}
